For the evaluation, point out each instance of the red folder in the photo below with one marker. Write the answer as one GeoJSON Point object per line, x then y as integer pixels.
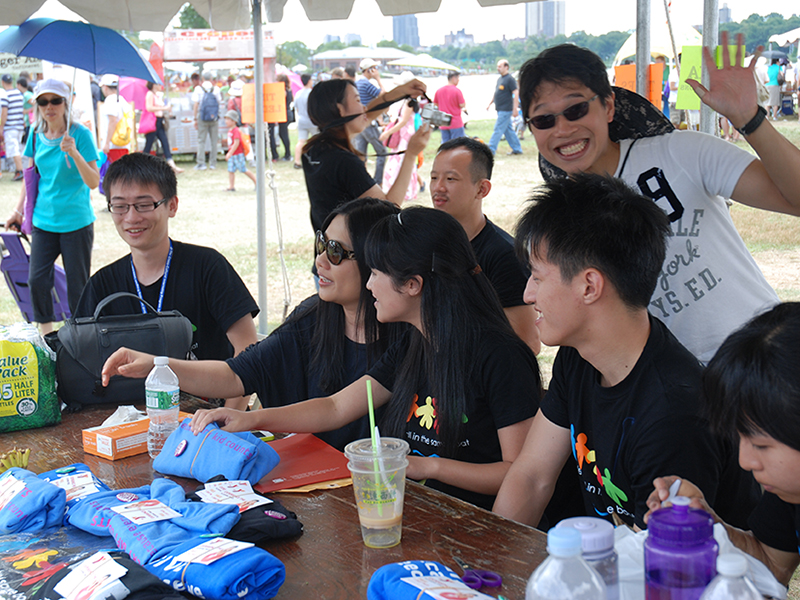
{"type": "Point", "coordinates": [305, 459]}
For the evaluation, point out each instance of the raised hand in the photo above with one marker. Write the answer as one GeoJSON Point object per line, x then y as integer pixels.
{"type": "Point", "coordinates": [732, 89]}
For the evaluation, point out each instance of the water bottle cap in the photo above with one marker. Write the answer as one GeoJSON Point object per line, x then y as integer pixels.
{"type": "Point", "coordinates": [161, 361]}
{"type": "Point", "coordinates": [732, 565]}
{"type": "Point", "coordinates": [563, 541]}
{"type": "Point", "coordinates": [597, 535]}
{"type": "Point", "coordinates": [680, 526]}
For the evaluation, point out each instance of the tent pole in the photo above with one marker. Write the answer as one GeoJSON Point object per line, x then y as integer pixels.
{"type": "Point", "coordinates": [708, 117]}
{"type": "Point", "coordinates": [261, 213]}
{"type": "Point", "coordinates": [642, 47]}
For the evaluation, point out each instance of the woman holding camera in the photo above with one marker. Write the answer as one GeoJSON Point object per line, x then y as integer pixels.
{"type": "Point", "coordinates": [334, 171]}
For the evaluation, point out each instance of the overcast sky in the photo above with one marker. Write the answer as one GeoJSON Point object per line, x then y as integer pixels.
{"type": "Point", "coordinates": [492, 23]}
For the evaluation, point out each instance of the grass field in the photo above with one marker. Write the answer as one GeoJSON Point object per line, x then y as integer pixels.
{"type": "Point", "coordinates": [210, 216]}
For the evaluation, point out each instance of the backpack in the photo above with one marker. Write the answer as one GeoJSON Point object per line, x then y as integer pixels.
{"type": "Point", "coordinates": [123, 132]}
{"type": "Point", "coordinates": [209, 107]}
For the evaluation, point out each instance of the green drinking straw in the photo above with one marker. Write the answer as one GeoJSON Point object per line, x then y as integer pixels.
{"type": "Point", "coordinates": [375, 450]}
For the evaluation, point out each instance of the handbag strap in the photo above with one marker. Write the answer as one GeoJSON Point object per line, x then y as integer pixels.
{"type": "Point", "coordinates": [115, 296]}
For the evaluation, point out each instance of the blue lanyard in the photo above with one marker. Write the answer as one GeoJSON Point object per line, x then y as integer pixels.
{"type": "Point", "coordinates": [163, 282]}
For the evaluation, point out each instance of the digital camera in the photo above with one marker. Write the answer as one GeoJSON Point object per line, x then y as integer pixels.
{"type": "Point", "coordinates": [431, 114]}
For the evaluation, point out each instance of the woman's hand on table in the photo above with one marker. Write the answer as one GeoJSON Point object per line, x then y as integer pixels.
{"type": "Point", "coordinates": [229, 419]}
{"type": "Point", "coordinates": [128, 363]}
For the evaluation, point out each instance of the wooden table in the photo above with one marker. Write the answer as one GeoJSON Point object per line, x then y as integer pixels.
{"type": "Point", "coordinates": [329, 560]}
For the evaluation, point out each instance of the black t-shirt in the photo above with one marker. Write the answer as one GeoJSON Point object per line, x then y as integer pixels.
{"type": "Point", "coordinates": [504, 93]}
{"type": "Point", "coordinates": [278, 369]}
{"type": "Point", "coordinates": [201, 284]}
{"type": "Point", "coordinates": [333, 177]}
{"type": "Point", "coordinates": [502, 390]}
{"type": "Point", "coordinates": [776, 523]}
{"type": "Point", "coordinates": [494, 249]}
{"type": "Point", "coordinates": [646, 426]}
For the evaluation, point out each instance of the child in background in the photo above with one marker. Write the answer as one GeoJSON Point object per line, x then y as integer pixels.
{"type": "Point", "coordinates": [235, 155]}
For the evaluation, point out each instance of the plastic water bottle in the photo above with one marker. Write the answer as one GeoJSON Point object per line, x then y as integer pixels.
{"type": "Point", "coordinates": [162, 397]}
{"type": "Point", "coordinates": [565, 575]}
{"type": "Point", "coordinates": [732, 582]}
{"type": "Point", "coordinates": [680, 552]}
{"type": "Point", "coordinates": [597, 537]}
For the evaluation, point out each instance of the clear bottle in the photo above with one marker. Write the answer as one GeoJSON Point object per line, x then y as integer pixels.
{"type": "Point", "coordinates": [597, 537]}
{"type": "Point", "coordinates": [732, 582]}
{"type": "Point", "coordinates": [565, 575]}
{"type": "Point", "coordinates": [162, 397]}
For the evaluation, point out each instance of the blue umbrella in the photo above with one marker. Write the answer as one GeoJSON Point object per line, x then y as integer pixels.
{"type": "Point", "coordinates": [85, 46]}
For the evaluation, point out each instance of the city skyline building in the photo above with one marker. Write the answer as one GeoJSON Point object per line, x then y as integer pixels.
{"type": "Point", "coordinates": [405, 31]}
{"type": "Point", "coordinates": [547, 18]}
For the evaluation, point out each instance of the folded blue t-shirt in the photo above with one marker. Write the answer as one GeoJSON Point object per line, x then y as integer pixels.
{"type": "Point", "coordinates": [93, 513]}
{"type": "Point", "coordinates": [250, 574]}
{"type": "Point", "coordinates": [213, 452]}
{"type": "Point", "coordinates": [36, 506]}
{"type": "Point", "coordinates": [71, 470]}
{"type": "Point", "coordinates": [386, 584]}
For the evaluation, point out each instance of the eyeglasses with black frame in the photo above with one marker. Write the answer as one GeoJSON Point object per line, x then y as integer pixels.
{"type": "Point", "coordinates": [141, 207]}
{"type": "Point", "coordinates": [54, 101]}
{"type": "Point", "coordinates": [571, 113]}
{"type": "Point", "coordinates": [336, 253]}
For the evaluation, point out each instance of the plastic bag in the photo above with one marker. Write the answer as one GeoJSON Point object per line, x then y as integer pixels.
{"type": "Point", "coordinates": [27, 380]}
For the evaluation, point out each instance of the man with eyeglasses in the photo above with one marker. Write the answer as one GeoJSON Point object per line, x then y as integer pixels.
{"type": "Point", "coordinates": [141, 191]}
{"type": "Point", "coordinates": [368, 91]}
{"type": "Point", "coordinates": [709, 285]}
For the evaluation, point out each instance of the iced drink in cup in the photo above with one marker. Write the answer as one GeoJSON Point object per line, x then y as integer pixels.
{"type": "Point", "coordinates": [379, 484]}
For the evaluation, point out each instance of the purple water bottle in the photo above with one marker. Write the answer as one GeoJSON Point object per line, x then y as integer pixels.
{"type": "Point", "coordinates": [680, 552]}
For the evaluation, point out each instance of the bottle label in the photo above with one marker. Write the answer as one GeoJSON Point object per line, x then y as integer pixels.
{"type": "Point", "coordinates": [162, 400]}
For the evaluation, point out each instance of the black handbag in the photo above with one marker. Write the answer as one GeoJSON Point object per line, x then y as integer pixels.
{"type": "Point", "coordinates": [84, 344]}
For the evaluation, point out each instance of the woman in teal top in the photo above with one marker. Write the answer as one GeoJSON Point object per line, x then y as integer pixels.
{"type": "Point", "coordinates": [774, 88]}
{"type": "Point", "coordinates": [63, 216]}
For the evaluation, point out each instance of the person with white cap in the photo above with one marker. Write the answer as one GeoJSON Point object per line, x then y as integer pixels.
{"type": "Point", "coordinates": [63, 216]}
{"type": "Point", "coordinates": [235, 93]}
{"type": "Point", "coordinates": [371, 134]}
{"type": "Point", "coordinates": [111, 111]}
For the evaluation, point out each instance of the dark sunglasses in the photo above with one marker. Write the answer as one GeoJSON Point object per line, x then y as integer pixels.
{"type": "Point", "coordinates": [336, 253]}
{"type": "Point", "coordinates": [54, 101]}
{"type": "Point", "coordinates": [571, 113]}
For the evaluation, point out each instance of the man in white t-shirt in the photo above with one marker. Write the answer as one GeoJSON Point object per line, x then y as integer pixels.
{"type": "Point", "coordinates": [206, 99]}
{"type": "Point", "coordinates": [12, 122]}
{"type": "Point", "coordinates": [709, 284]}
{"type": "Point", "coordinates": [113, 109]}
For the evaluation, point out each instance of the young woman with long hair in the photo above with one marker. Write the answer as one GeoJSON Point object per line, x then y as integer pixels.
{"type": "Point", "coordinates": [460, 386]}
{"type": "Point", "coordinates": [333, 170]}
{"type": "Point", "coordinates": [328, 342]}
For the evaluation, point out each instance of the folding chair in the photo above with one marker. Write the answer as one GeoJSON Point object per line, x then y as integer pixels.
{"type": "Point", "coordinates": [15, 261]}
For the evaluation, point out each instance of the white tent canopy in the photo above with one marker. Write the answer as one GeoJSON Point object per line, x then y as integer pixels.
{"type": "Point", "coordinates": [785, 39]}
{"type": "Point", "coordinates": [660, 43]}
{"type": "Point", "coordinates": [423, 61]}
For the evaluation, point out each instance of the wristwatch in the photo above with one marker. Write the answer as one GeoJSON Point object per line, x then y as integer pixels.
{"type": "Point", "coordinates": [755, 122]}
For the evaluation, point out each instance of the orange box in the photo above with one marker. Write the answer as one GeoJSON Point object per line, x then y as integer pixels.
{"type": "Point", "coordinates": [119, 441]}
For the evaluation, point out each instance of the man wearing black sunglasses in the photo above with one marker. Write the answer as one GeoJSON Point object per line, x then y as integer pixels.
{"type": "Point", "coordinates": [142, 195]}
{"type": "Point", "coordinates": [709, 285]}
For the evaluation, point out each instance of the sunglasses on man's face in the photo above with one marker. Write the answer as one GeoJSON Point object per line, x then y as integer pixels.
{"type": "Point", "coordinates": [571, 113]}
{"type": "Point", "coordinates": [336, 253]}
{"type": "Point", "coordinates": [54, 101]}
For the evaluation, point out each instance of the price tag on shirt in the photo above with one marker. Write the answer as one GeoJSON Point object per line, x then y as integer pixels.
{"type": "Point", "coordinates": [444, 588]}
{"type": "Point", "coordinates": [212, 550]}
{"type": "Point", "coordinates": [10, 486]}
{"type": "Point", "coordinates": [77, 486]}
{"type": "Point", "coordinates": [89, 576]}
{"type": "Point", "coordinates": [146, 511]}
{"type": "Point", "coordinates": [232, 492]}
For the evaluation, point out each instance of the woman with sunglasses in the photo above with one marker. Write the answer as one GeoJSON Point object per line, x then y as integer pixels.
{"type": "Point", "coordinates": [459, 387]}
{"type": "Point", "coordinates": [62, 219]}
{"type": "Point", "coordinates": [334, 171]}
{"type": "Point", "coordinates": [328, 342]}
